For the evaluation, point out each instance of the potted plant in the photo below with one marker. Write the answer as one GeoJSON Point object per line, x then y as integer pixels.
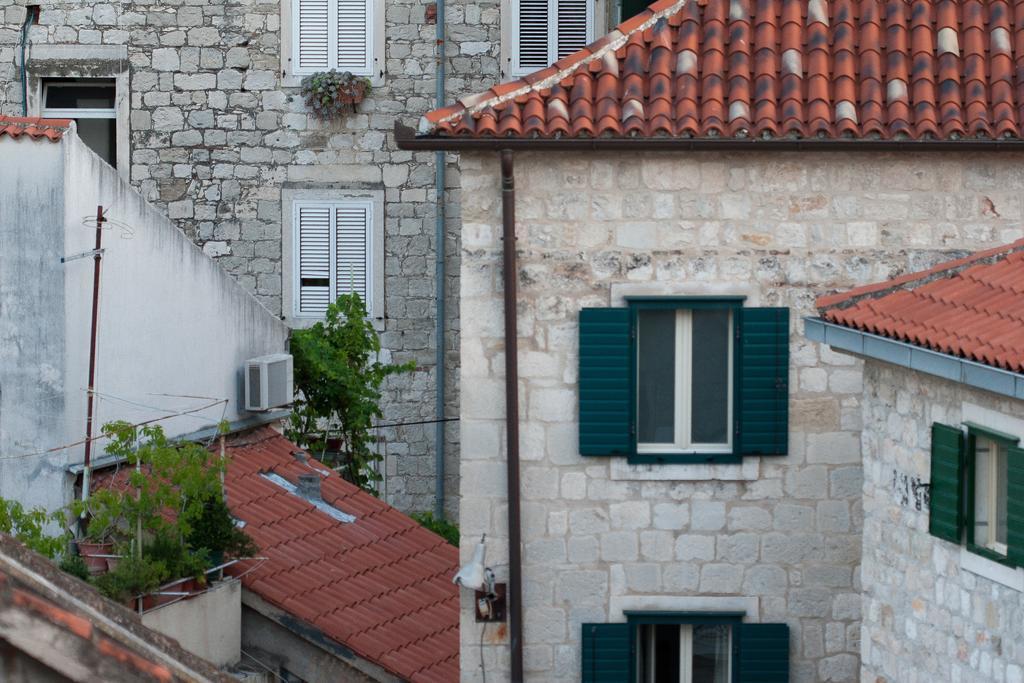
{"type": "Point", "coordinates": [216, 533]}
{"type": "Point", "coordinates": [329, 94]}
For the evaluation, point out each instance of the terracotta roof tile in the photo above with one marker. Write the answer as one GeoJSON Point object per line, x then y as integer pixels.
{"type": "Point", "coordinates": [34, 127]}
{"type": "Point", "coordinates": [972, 308]}
{"type": "Point", "coordinates": [917, 69]}
{"type": "Point", "coordinates": [347, 579]}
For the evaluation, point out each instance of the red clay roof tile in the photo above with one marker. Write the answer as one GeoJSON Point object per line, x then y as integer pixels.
{"type": "Point", "coordinates": [347, 579]}
{"type": "Point", "coordinates": [885, 69]}
{"type": "Point", "coordinates": [34, 127]}
{"type": "Point", "coordinates": [972, 308]}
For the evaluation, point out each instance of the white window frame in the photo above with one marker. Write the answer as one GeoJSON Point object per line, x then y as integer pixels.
{"type": "Point", "coordinates": [64, 62]}
{"type": "Point", "coordinates": [991, 501]}
{"type": "Point", "coordinates": [684, 392]}
{"type": "Point", "coordinates": [291, 75]}
{"type": "Point", "coordinates": [373, 201]}
{"type": "Point", "coordinates": [80, 113]}
{"type": "Point", "coordinates": [685, 654]}
{"type": "Point", "coordinates": [597, 12]}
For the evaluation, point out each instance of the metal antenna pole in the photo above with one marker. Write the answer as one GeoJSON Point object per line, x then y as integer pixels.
{"type": "Point", "coordinates": [90, 398]}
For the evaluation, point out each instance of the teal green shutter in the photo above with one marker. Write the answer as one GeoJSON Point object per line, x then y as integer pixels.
{"type": "Point", "coordinates": [606, 369]}
{"type": "Point", "coordinates": [946, 514]}
{"type": "Point", "coordinates": [762, 653]}
{"type": "Point", "coordinates": [605, 655]}
{"type": "Point", "coordinates": [763, 405]}
{"type": "Point", "coordinates": [1015, 507]}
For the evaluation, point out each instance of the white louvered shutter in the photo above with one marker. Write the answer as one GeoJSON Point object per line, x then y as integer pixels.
{"type": "Point", "coordinates": [314, 223]}
{"type": "Point", "coordinates": [355, 36]}
{"type": "Point", "coordinates": [352, 250]}
{"type": "Point", "coordinates": [574, 27]}
{"type": "Point", "coordinates": [533, 39]}
{"type": "Point", "coordinates": [312, 35]}
{"type": "Point", "coordinates": [547, 30]}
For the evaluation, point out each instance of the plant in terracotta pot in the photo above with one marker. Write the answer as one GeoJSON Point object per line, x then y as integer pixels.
{"type": "Point", "coordinates": [330, 94]}
{"type": "Point", "coordinates": [216, 533]}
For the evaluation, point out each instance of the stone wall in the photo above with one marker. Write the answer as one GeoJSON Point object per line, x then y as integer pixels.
{"type": "Point", "coordinates": [927, 617]}
{"type": "Point", "coordinates": [779, 228]}
{"type": "Point", "coordinates": [215, 136]}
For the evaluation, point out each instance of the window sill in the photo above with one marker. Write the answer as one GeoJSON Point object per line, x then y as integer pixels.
{"type": "Point", "coordinates": [997, 572]}
{"type": "Point", "coordinates": [289, 80]}
{"type": "Point", "coordinates": [747, 470]}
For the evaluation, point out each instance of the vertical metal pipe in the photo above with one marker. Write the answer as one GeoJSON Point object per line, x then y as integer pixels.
{"type": "Point", "coordinates": [97, 259]}
{"type": "Point", "coordinates": [439, 278]}
{"type": "Point", "coordinates": [509, 270]}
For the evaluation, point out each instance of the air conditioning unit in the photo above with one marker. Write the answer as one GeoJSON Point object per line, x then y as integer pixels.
{"type": "Point", "coordinates": [268, 382]}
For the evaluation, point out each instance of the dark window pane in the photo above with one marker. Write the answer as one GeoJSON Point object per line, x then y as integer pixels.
{"type": "Point", "coordinates": [656, 352]}
{"type": "Point", "coordinates": [709, 414]}
{"type": "Point", "coordinates": [631, 8]}
{"type": "Point", "coordinates": [93, 96]}
{"type": "Point", "coordinates": [101, 137]}
{"type": "Point", "coordinates": [711, 654]}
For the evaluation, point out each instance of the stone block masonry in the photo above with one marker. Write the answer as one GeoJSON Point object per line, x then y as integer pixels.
{"type": "Point", "coordinates": [780, 229]}
{"type": "Point", "coordinates": [926, 615]}
{"type": "Point", "coordinates": [216, 135]}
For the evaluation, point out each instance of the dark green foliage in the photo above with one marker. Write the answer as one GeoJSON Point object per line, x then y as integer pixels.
{"type": "Point", "coordinates": [75, 565]}
{"type": "Point", "coordinates": [331, 93]}
{"type": "Point", "coordinates": [28, 526]}
{"type": "Point", "coordinates": [337, 387]}
{"type": "Point", "coordinates": [215, 532]}
{"type": "Point", "coordinates": [442, 527]}
{"type": "Point", "coordinates": [131, 577]}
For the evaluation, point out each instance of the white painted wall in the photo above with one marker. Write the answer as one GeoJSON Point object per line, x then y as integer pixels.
{"type": "Point", "coordinates": [171, 321]}
{"type": "Point", "coordinates": [208, 625]}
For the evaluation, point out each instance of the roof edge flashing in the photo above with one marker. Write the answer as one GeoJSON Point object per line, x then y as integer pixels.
{"type": "Point", "coordinates": [961, 370]}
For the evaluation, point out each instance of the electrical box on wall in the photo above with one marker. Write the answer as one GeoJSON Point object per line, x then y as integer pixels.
{"type": "Point", "coordinates": [268, 382]}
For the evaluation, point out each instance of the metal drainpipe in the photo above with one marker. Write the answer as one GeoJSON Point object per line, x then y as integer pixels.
{"type": "Point", "coordinates": [509, 270]}
{"type": "Point", "coordinates": [439, 276]}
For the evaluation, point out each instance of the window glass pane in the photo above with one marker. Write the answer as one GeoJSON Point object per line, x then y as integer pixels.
{"type": "Point", "coordinates": [92, 96]}
{"type": "Point", "coordinates": [711, 654]}
{"type": "Point", "coordinates": [658, 654]}
{"type": "Point", "coordinates": [990, 490]}
{"type": "Point", "coordinates": [100, 135]}
{"type": "Point", "coordinates": [656, 367]}
{"type": "Point", "coordinates": [709, 413]}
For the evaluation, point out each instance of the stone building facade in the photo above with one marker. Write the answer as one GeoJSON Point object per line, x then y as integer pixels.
{"type": "Point", "coordinates": [212, 130]}
{"type": "Point", "coordinates": [778, 537]}
{"type": "Point", "coordinates": [931, 611]}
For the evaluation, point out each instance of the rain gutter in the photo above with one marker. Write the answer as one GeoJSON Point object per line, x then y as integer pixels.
{"type": "Point", "coordinates": [439, 278]}
{"type": "Point", "coordinates": [961, 370]}
{"type": "Point", "coordinates": [407, 139]}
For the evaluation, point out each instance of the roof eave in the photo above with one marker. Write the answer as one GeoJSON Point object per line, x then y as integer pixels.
{"type": "Point", "coordinates": [406, 138]}
{"type": "Point", "coordinates": [902, 354]}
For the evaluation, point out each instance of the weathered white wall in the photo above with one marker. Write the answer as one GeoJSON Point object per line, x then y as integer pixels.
{"type": "Point", "coordinates": [932, 611]}
{"type": "Point", "coordinates": [208, 625]}
{"type": "Point", "coordinates": [784, 533]}
{"type": "Point", "coordinates": [172, 322]}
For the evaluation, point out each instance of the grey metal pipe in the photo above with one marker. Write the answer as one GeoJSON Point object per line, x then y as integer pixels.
{"type": "Point", "coordinates": [439, 278]}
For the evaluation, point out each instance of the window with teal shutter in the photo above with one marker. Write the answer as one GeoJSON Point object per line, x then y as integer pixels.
{"type": "Point", "coordinates": [667, 647]}
{"type": "Point", "coordinates": [945, 519]}
{"type": "Point", "coordinates": [1015, 507]}
{"type": "Point", "coordinates": [605, 653]}
{"type": "Point", "coordinates": [690, 380]}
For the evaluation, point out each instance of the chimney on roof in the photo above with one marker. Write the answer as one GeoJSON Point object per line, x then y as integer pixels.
{"type": "Point", "coordinates": [309, 486]}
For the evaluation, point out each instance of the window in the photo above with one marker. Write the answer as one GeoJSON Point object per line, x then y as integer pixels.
{"type": "Point", "coordinates": [657, 647]}
{"type": "Point", "coordinates": [977, 491]}
{"type": "Point", "coordinates": [333, 251]}
{"type": "Point", "coordinates": [92, 105]}
{"type": "Point", "coordinates": [684, 380]}
{"type": "Point", "coordinates": [334, 34]}
{"type": "Point", "coordinates": [630, 8]}
{"type": "Point", "coordinates": [334, 242]}
{"type": "Point", "coordinates": [544, 31]}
